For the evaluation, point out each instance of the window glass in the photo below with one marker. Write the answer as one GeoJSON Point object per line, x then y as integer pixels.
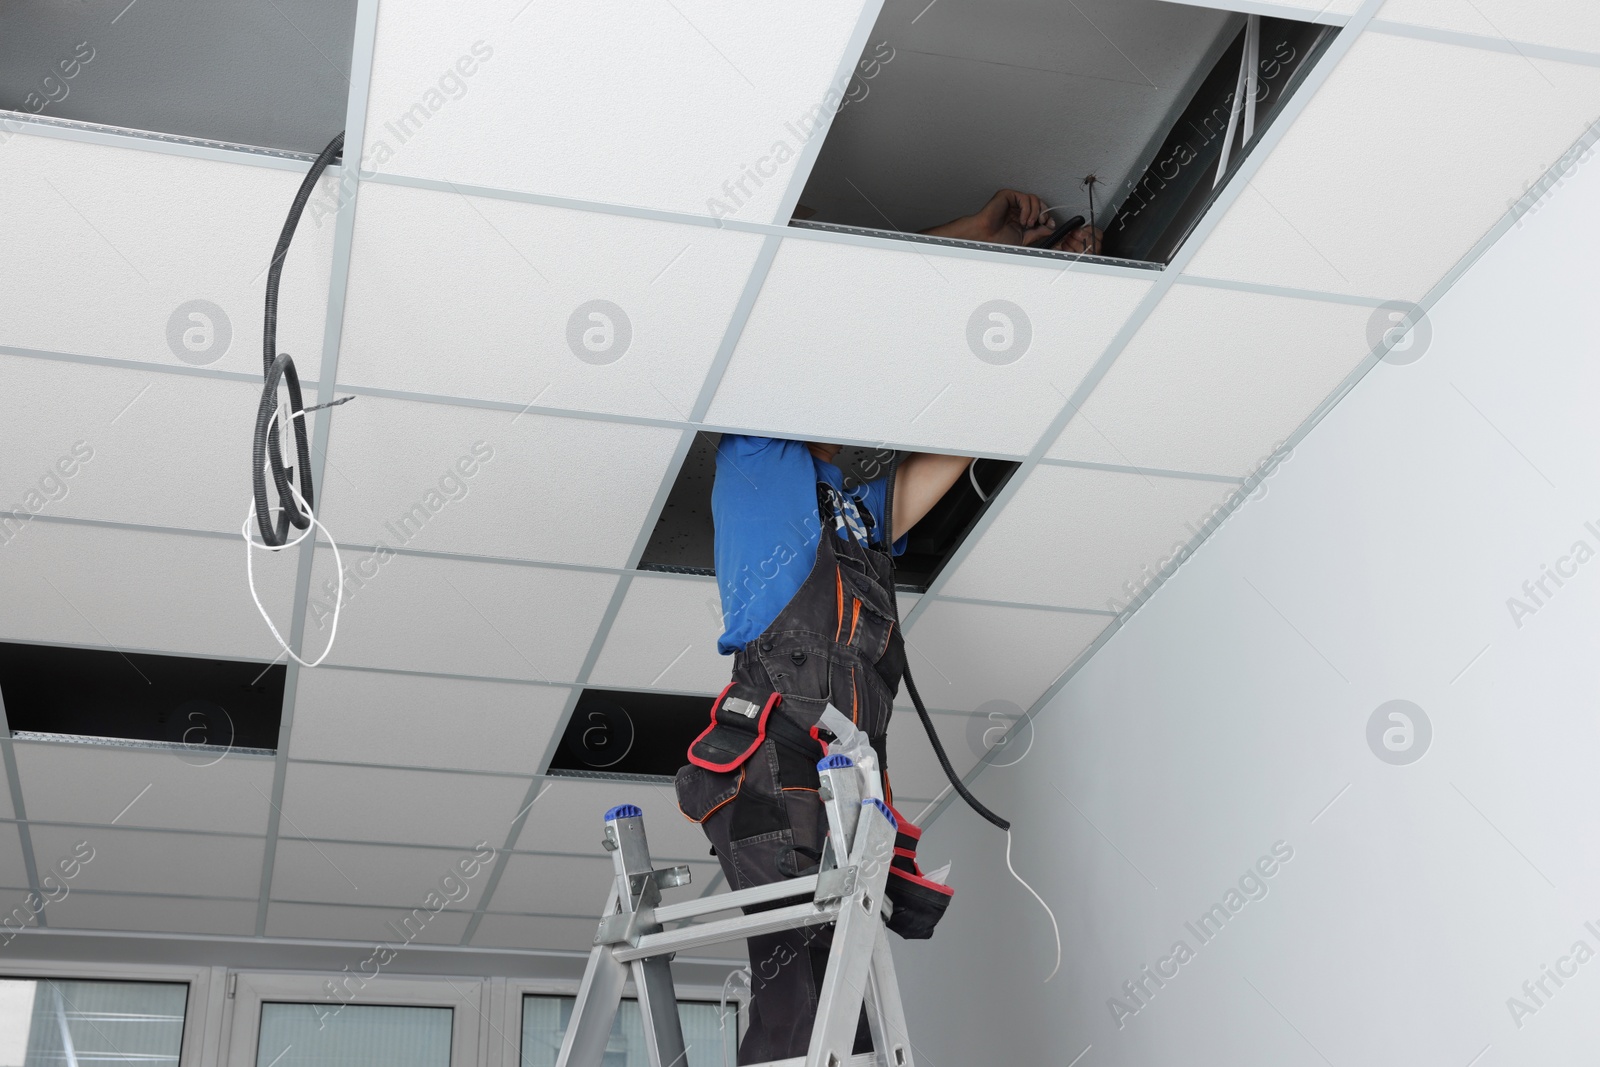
{"type": "Point", "coordinates": [544, 1020]}
{"type": "Point", "coordinates": [357, 1035]}
{"type": "Point", "coordinates": [48, 1022]}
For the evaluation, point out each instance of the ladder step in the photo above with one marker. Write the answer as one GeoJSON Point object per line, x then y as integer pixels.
{"type": "Point", "coordinates": [866, 1059]}
{"type": "Point", "coordinates": [737, 928]}
{"type": "Point", "coordinates": [689, 909]}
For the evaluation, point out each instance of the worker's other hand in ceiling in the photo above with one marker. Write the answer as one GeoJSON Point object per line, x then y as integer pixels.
{"type": "Point", "coordinates": [1012, 217]}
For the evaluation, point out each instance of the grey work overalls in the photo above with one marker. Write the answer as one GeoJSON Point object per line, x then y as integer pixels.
{"type": "Point", "coordinates": [752, 777]}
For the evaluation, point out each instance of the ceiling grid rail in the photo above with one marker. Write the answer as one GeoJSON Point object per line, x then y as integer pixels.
{"type": "Point", "coordinates": [349, 170]}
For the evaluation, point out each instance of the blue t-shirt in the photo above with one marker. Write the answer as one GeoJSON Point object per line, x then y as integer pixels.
{"type": "Point", "coordinates": [764, 507]}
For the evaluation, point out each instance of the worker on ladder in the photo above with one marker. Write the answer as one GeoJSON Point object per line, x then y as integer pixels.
{"type": "Point", "coordinates": [806, 581]}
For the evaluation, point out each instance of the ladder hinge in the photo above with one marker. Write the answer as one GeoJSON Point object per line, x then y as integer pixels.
{"type": "Point", "coordinates": [233, 985]}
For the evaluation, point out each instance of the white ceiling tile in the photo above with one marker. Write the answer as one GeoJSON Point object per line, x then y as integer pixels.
{"type": "Point", "coordinates": [536, 933]}
{"type": "Point", "coordinates": [146, 914]}
{"type": "Point", "coordinates": [131, 589]}
{"type": "Point", "coordinates": [1361, 195]}
{"type": "Point", "coordinates": [85, 439]}
{"type": "Point", "coordinates": [13, 867]}
{"type": "Point", "coordinates": [152, 861]}
{"type": "Point", "coordinates": [1137, 42]}
{"type": "Point", "coordinates": [146, 233]}
{"type": "Point", "coordinates": [378, 875]}
{"type": "Point", "coordinates": [412, 807]}
{"type": "Point", "coordinates": [568, 818]}
{"type": "Point", "coordinates": [965, 655]}
{"type": "Point", "coordinates": [1081, 538]}
{"type": "Point", "coordinates": [417, 319]}
{"type": "Point", "coordinates": [393, 926]}
{"type": "Point", "coordinates": [454, 617]}
{"type": "Point", "coordinates": [1215, 380]}
{"type": "Point", "coordinates": [414, 720]}
{"type": "Point", "coordinates": [554, 885]}
{"type": "Point", "coordinates": [161, 790]}
{"type": "Point", "coordinates": [902, 370]}
{"type": "Point", "coordinates": [665, 637]}
{"type": "Point", "coordinates": [681, 98]}
{"type": "Point", "coordinates": [494, 483]}
{"type": "Point", "coordinates": [914, 770]}
{"type": "Point", "coordinates": [1548, 22]}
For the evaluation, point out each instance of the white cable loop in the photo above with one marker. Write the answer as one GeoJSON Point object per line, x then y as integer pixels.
{"type": "Point", "coordinates": [250, 575]}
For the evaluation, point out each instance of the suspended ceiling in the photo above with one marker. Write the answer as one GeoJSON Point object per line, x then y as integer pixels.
{"type": "Point", "coordinates": [577, 165]}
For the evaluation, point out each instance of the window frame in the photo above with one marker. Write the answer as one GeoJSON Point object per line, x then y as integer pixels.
{"type": "Point", "coordinates": [202, 983]}
{"type": "Point", "coordinates": [251, 989]}
{"type": "Point", "coordinates": [509, 1001]}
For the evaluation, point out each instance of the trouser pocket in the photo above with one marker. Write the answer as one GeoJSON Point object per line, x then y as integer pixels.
{"type": "Point", "coordinates": [764, 821]}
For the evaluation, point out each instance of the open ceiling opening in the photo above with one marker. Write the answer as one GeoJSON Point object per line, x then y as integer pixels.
{"type": "Point", "coordinates": [1159, 103]}
{"type": "Point", "coordinates": [207, 707]}
{"type": "Point", "coordinates": [627, 736]}
{"type": "Point", "coordinates": [273, 76]}
{"type": "Point", "coordinates": [682, 542]}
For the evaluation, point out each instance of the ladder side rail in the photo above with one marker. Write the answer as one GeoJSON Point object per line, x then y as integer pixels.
{"type": "Point", "coordinates": [595, 1012]}
{"type": "Point", "coordinates": [658, 1003]}
{"type": "Point", "coordinates": [854, 939]}
{"type": "Point", "coordinates": [885, 1011]}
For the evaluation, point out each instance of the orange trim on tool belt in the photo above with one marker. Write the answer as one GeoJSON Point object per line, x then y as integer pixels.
{"type": "Point", "coordinates": [855, 700]}
{"type": "Point", "coordinates": [797, 789]}
{"type": "Point", "coordinates": [855, 617]}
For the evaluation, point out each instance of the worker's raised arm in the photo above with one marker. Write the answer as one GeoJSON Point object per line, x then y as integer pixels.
{"type": "Point", "coordinates": [922, 480]}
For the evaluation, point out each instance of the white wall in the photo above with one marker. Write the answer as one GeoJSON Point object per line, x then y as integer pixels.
{"type": "Point", "coordinates": [1233, 709]}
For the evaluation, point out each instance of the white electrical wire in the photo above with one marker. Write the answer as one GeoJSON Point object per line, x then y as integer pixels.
{"type": "Point", "coordinates": [250, 575]}
{"type": "Point", "coordinates": [1057, 929]}
{"type": "Point", "coordinates": [972, 476]}
{"type": "Point", "coordinates": [1042, 904]}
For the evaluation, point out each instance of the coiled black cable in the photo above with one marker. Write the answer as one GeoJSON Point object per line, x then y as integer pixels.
{"type": "Point", "coordinates": [911, 686]}
{"type": "Point", "coordinates": [277, 366]}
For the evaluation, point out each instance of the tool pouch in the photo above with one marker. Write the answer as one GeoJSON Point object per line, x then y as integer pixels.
{"type": "Point", "coordinates": [739, 718]}
{"type": "Point", "coordinates": [919, 903]}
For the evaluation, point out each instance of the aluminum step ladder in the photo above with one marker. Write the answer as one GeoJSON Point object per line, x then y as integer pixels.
{"type": "Point", "coordinates": [848, 889]}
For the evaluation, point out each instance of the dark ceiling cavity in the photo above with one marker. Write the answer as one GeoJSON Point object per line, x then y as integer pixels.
{"type": "Point", "coordinates": [682, 540]}
{"type": "Point", "coordinates": [949, 104]}
{"type": "Point", "coordinates": [204, 706]}
{"type": "Point", "coordinates": [625, 736]}
{"type": "Point", "coordinates": [273, 75]}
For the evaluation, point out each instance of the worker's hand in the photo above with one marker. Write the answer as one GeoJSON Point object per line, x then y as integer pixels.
{"type": "Point", "coordinates": [1085, 239]}
{"type": "Point", "coordinates": [1008, 216]}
